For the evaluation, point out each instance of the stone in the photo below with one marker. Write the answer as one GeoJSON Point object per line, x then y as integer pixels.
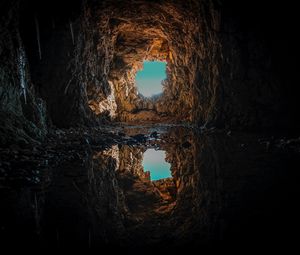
{"type": "Point", "coordinates": [186, 145]}
{"type": "Point", "coordinates": [154, 134]}
{"type": "Point", "coordinates": [140, 138]}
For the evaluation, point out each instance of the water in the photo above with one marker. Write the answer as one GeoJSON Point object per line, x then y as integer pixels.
{"type": "Point", "coordinates": [223, 189]}
{"type": "Point", "coordinates": [155, 162]}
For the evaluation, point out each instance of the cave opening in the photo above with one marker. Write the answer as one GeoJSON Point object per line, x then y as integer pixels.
{"type": "Point", "coordinates": [142, 77]}
{"type": "Point", "coordinates": [90, 151]}
{"type": "Point", "coordinates": [155, 162]}
{"type": "Point", "coordinates": [150, 79]}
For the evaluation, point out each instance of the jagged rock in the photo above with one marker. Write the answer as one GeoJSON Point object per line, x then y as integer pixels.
{"type": "Point", "coordinates": [141, 138]}
{"type": "Point", "coordinates": [186, 145]}
{"type": "Point", "coordinates": [154, 134]}
{"type": "Point", "coordinates": [92, 50]}
{"type": "Point", "coordinates": [68, 68]}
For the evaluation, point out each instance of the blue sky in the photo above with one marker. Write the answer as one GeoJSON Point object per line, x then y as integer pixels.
{"type": "Point", "coordinates": [154, 161]}
{"type": "Point", "coordinates": [149, 79]}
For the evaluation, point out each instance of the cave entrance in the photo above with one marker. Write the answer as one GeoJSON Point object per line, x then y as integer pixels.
{"type": "Point", "coordinates": [150, 79]}
{"type": "Point", "coordinates": [155, 162]}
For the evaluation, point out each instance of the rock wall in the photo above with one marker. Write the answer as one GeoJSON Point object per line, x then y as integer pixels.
{"type": "Point", "coordinates": [220, 70]}
{"type": "Point", "coordinates": [51, 34]}
{"type": "Point", "coordinates": [130, 32]}
{"type": "Point", "coordinates": [224, 68]}
{"type": "Point", "coordinates": [22, 112]}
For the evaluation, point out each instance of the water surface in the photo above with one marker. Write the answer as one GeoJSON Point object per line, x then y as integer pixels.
{"type": "Point", "coordinates": [223, 189]}
{"type": "Point", "coordinates": [155, 162]}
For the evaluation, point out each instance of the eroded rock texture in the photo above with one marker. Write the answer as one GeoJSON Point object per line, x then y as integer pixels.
{"type": "Point", "coordinates": [128, 33]}
{"type": "Point", "coordinates": [225, 68]}
{"type": "Point", "coordinates": [22, 112]}
{"type": "Point", "coordinates": [220, 69]}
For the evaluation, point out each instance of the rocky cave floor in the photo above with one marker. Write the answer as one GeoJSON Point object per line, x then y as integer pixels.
{"type": "Point", "coordinates": [17, 160]}
{"type": "Point", "coordinates": [73, 64]}
{"type": "Point", "coordinates": [20, 159]}
{"type": "Point", "coordinates": [73, 172]}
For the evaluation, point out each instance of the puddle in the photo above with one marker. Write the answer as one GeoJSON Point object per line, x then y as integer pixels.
{"type": "Point", "coordinates": [154, 161]}
{"type": "Point", "coordinates": [123, 195]}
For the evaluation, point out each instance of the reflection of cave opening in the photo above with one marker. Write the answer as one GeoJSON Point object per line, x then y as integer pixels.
{"type": "Point", "coordinates": [149, 79]}
{"type": "Point", "coordinates": [154, 162]}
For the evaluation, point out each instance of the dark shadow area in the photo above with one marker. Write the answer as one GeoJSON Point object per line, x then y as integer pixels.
{"type": "Point", "coordinates": [223, 190]}
{"type": "Point", "coordinates": [74, 129]}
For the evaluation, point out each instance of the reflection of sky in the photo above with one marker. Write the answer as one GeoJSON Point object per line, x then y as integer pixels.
{"type": "Point", "coordinates": [149, 79]}
{"type": "Point", "coordinates": [154, 161]}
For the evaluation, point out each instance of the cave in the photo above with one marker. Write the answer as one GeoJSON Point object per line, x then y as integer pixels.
{"type": "Point", "coordinates": [203, 91]}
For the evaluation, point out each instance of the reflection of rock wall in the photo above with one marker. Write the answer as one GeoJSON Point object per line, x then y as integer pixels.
{"type": "Point", "coordinates": [197, 195]}
{"type": "Point", "coordinates": [106, 197]}
{"type": "Point", "coordinates": [113, 153]}
{"type": "Point", "coordinates": [131, 159]}
{"type": "Point", "coordinates": [195, 168]}
{"type": "Point", "coordinates": [222, 185]}
{"type": "Point", "coordinates": [131, 164]}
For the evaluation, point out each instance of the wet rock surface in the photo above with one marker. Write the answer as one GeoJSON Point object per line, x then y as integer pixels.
{"type": "Point", "coordinates": [88, 188]}
{"type": "Point", "coordinates": [75, 65]}
{"type": "Point", "coordinates": [71, 176]}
